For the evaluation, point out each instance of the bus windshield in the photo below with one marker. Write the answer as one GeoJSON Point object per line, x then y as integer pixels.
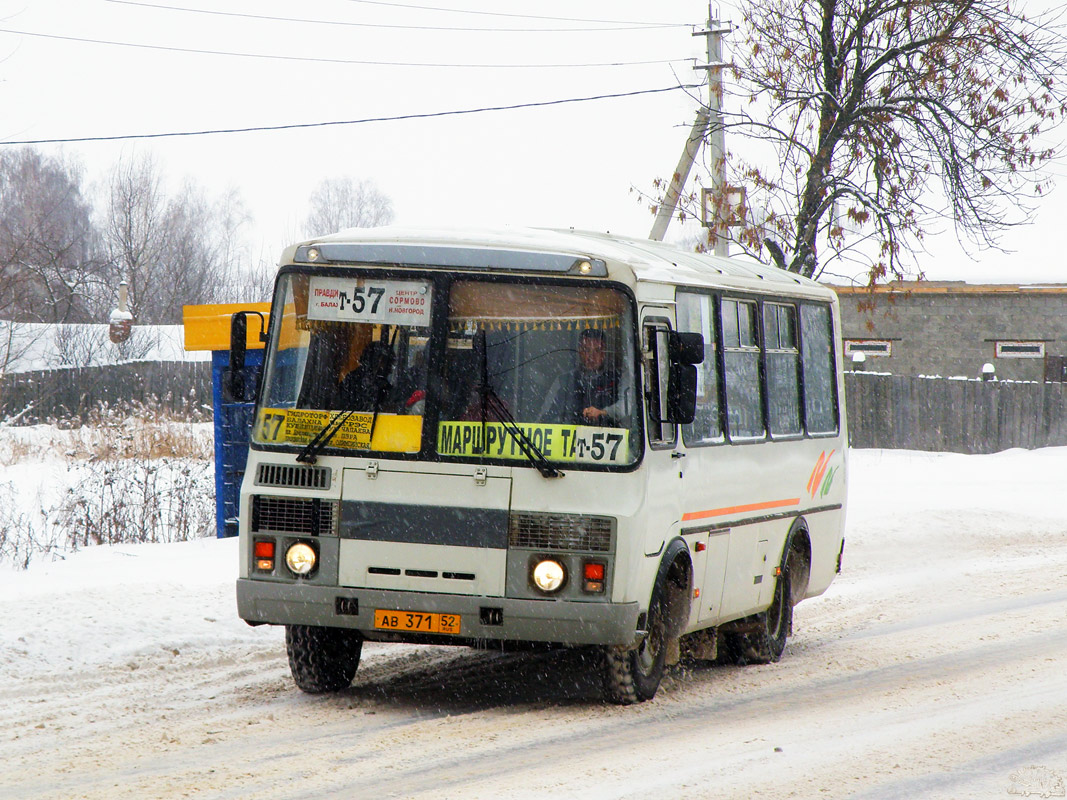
{"type": "Point", "coordinates": [520, 373]}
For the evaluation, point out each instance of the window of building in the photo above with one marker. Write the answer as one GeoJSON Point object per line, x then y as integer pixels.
{"type": "Point", "coordinates": [1020, 349]}
{"type": "Point", "coordinates": [869, 347]}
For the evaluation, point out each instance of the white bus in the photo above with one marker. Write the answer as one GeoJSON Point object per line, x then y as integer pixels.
{"type": "Point", "coordinates": [575, 439]}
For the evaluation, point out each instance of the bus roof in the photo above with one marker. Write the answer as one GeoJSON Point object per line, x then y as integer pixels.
{"type": "Point", "coordinates": [630, 260]}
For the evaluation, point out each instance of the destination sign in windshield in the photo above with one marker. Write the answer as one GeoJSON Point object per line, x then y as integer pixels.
{"type": "Point", "coordinates": [374, 300]}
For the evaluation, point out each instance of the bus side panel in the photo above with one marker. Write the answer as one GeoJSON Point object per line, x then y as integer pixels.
{"type": "Point", "coordinates": [747, 568]}
{"type": "Point", "coordinates": [745, 498]}
{"type": "Point", "coordinates": [826, 533]}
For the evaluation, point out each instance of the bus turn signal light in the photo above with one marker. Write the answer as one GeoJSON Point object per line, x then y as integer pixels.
{"type": "Point", "coordinates": [593, 577]}
{"type": "Point", "coordinates": [264, 555]}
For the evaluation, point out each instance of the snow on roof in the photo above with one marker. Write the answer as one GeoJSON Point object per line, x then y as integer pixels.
{"type": "Point", "coordinates": [644, 259]}
{"type": "Point", "coordinates": [26, 346]}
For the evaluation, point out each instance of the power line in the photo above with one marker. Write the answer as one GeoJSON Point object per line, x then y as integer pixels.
{"type": "Point", "coordinates": [621, 26]}
{"type": "Point", "coordinates": [490, 13]}
{"type": "Point", "coordinates": [399, 118]}
{"type": "Point", "coordinates": [274, 57]}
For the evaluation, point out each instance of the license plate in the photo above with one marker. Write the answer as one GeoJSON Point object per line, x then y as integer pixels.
{"type": "Point", "coordinates": [416, 621]}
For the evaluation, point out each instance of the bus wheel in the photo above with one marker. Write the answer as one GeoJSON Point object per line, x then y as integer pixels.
{"type": "Point", "coordinates": [633, 675]}
{"type": "Point", "coordinates": [322, 659]}
{"type": "Point", "coordinates": [766, 643]}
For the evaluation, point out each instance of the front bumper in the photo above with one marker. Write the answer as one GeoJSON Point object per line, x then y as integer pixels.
{"type": "Point", "coordinates": [556, 621]}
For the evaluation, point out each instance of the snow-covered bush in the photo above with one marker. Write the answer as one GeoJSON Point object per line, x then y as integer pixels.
{"type": "Point", "coordinates": [119, 480]}
{"type": "Point", "coordinates": [141, 499]}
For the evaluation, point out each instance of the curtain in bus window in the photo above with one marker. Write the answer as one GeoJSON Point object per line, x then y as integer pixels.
{"type": "Point", "coordinates": [817, 360]}
{"type": "Point", "coordinates": [518, 361]}
{"type": "Point", "coordinates": [783, 384]}
{"type": "Point", "coordinates": [744, 393]}
{"type": "Point", "coordinates": [531, 335]}
{"type": "Point", "coordinates": [696, 314]}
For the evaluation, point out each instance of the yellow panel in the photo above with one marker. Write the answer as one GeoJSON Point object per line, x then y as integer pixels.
{"type": "Point", "coordinates": [208, 327]}
{"type": "Point", "coordinates": [561, 443]}
{"type": "Point", "coordinates": [392, 433]}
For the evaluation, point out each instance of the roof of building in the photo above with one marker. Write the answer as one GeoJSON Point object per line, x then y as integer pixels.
{"type": "Point", "coordinates": [953, 287]}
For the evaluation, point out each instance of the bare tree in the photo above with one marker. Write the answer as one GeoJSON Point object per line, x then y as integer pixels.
{"type": "Point", "coordinates": [254, 282]}
{"type": "Point", "coordinates": [339, 203]}
{"type": "Point", "coordinates": [248, 278]}
{"type": "Point", "coordinates": [49, 264]}
{"type": "Point", "coordinates": [77, 345]}
{"type": "Point", "coordinates": [870, 123]}
{"type": "Point", "coordinates": [134, 229]}
{"type": "Point", "coordinates": [168, 249]}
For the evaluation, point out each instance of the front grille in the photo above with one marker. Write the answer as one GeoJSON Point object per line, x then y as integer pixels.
{"type": "Point", "coordinates": [291, 475]}
{"type": "Point", "coordinates": [543, 531]}
{"type": "Point", "coordinates": [294, 515]}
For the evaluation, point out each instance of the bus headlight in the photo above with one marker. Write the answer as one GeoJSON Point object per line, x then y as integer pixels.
{"type": "Point", "coordinates": [300, 558]}
{"type": "Point", "coordinates": [548, 575]}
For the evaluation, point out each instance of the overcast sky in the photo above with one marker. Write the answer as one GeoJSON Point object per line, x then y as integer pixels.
{"type": "Point", "coordinates": [109, 68]}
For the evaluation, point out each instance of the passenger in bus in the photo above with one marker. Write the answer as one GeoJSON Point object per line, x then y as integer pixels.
{"type": "Point", "coordinates": [592, 394]}
{"type": "Point", "coordinates": [409, 393]}
{"type": "Point", "coordinates": [364, 377]}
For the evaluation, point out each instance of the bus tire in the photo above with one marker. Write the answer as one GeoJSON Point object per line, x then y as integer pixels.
{"type": "Point", "coordinates": [633, 675]}
{"type": "Point", "coordinates": [322, 659]}
{"type": "Point", "coordinates": [766, 643]}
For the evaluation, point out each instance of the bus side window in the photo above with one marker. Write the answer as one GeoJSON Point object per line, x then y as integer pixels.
{"type": "Point", "coordinates": [744, 387]}
{"type": "Point", "coordinates": [696, 314]}
{"type": "Point", "coordinates": [657, 373]}
{"type": "Point", "coordinates": [817, 366]}
{"type": "Point", "coordinates": [782, 361]}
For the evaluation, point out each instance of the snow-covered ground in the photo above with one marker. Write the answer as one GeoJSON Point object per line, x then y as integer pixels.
{"type": "Point", "coordinates": [932, 668]}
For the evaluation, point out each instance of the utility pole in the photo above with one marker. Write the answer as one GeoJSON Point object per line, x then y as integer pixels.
{"type": "Point", "coordinates": [665, 212]}
{"type": "Point", "coordinates": [708, 124]}
{"type": "Point", "coordinates": [716, 137]}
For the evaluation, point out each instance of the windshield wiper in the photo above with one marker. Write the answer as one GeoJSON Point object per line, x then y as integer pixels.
{"type": "Point", "coordinates": [491, 401]}
{"type": "Point", "coordinates": [315, 446]}
{"type": "Point", "coordinates": [380, 371]}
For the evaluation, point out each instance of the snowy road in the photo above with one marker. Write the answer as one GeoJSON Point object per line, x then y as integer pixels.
{"type": "Point", "coordinates": [933, 668]}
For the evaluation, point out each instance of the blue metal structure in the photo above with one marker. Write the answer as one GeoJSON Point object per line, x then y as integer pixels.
{"type": "Point", "coordinates": [233, 424]}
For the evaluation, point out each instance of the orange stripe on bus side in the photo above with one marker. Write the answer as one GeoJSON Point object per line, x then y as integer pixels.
{"type": "Point", "coordinates": [720, 512]}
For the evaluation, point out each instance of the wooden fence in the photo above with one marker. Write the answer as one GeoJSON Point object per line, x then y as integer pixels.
{"type": "Point", "coordinates": [180, 387]}
{"type": "Point", "coordinates": [888, 411]}
{"type": "Point", "coordinates": [960, 416]}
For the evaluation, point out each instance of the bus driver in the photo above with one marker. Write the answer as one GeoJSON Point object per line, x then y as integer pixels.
{"type": "Point", "coordinates": [592, 394]}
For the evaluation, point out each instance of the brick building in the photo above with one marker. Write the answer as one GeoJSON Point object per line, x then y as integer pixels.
{"type": "Point", "coordinates": [955, 328]}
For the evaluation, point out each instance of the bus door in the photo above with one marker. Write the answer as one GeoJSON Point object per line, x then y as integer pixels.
{"type": "Point", "coordinates": [670, 479]}
{"type": "Point", "coordinates": [706, 464]}
{"type": "Point", "coordinates": [662, 496]}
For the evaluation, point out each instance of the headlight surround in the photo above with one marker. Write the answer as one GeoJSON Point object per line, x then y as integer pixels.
{"type": "Point", "coordinates": [548, 575]}
{"type": "Point", "coordinates": [301, 558]}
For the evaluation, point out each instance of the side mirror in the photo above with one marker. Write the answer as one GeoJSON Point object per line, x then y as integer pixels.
{"type": "Point", "coordinates": [235, 380]}
{"type": "Point", "coordinates": [675, 392]}
{"type": "Point", "coordinates": [684, 350]}
{"type": "Point", "coordinates": [682, 394]}
{"type": "Point", "coordinates": [235, 375]}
